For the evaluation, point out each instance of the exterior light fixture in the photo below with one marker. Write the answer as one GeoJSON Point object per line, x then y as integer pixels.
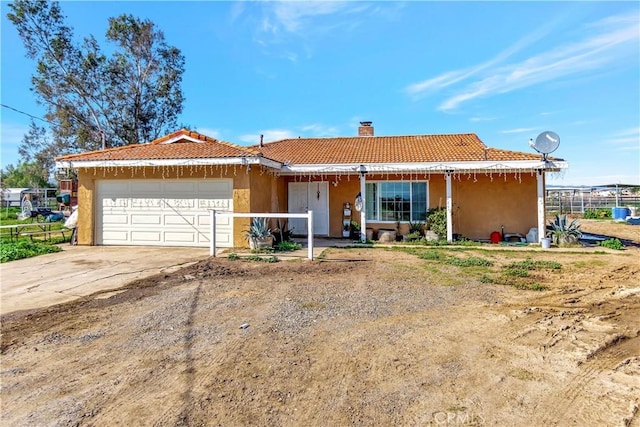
{"type": "Point", "coordinates": [358, 203]}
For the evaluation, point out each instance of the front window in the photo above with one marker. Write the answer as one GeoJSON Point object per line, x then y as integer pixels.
{"type": "Point", "coordinates": [393, 201]}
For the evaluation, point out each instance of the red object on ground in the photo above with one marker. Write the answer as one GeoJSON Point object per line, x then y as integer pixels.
{"type": "Point", "coordinates": [496, 237]}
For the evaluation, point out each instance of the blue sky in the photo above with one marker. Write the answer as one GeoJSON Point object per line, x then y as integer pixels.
{"type": "Point", "coordinates": [506, 71]}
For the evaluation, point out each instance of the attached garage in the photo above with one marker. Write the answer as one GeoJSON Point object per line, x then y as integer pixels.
{"type": "Point", "coordinates": [162, 212]}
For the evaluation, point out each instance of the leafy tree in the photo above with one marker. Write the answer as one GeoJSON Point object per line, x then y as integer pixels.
{"type": "Point", "coordinates": [38, 147]}
{"type": "Point", "coordinates": [26, 174]}
{"type": "Point", "coordinates": [94, 101]}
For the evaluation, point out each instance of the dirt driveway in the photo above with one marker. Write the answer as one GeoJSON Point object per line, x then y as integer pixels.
{"type": "Point", "coordinates": [367, 337]}
{"type": "Point", "coordinates": [83, 270]}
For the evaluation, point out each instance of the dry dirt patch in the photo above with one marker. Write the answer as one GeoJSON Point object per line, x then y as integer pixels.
{"type": "Point", "coordinates": [365, 337]}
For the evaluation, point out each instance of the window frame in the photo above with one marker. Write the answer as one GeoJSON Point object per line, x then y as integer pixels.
{"type": "Point", "coordinates": [378, 200]}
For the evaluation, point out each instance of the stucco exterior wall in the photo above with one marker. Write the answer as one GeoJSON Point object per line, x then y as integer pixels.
{"type": "Point", "coordinates": [86, 194]}
{"type": "Point", "coordinates": [481, 203]}
{"type": "Point", "coordinates": [87, 191]}
{"type": "Point", "coordinates": [487, 205]}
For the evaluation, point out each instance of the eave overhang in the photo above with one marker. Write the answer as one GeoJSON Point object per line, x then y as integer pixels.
{"type": "Point", "coordinates": [438, 167]}
{"type": "Point", "coordinates": [222, 161]}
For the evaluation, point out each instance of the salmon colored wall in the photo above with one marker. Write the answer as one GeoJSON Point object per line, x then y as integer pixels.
{"type": "Point", "coordinates": [87, 183]}
{"type": "Point", "coordinates": [266, 196]}
{"type": "Point", "coordinates": [479, 207]}
{"type": "Point", "coordinates": [482, 207]}
{"type": "Point", "coordinates": [344, 192]}
{"type": "Point", "coordinates": [86, 192]}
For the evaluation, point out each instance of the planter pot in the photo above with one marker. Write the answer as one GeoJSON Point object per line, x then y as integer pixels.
{"type": "Point", "coordinates": [430, 235]}
{"type": "Point", "coordinates": [386, 236]}
{"type": "Point", "coordinates": [369, 233]}
{"type": "Point", "coordinates": [261, 242]}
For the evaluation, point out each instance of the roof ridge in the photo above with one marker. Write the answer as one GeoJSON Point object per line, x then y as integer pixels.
{"type": "Point", "coordinates": [241, 148]}
{"type": "Point", "coordinates": [364, 137]}
{"type": "Point", "coordinates": [183, 132]}
{"type": "Point", "coordinates": [122, 147]}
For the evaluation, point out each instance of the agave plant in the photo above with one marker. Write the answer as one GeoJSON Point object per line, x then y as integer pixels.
{"type": "Point", "coordinates": [258, 232]}
{"type": "Point", "coordinates": [563, 232]}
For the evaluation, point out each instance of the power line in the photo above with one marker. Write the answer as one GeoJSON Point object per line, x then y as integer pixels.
{"type": "Point", "coordinates": [27, 114]}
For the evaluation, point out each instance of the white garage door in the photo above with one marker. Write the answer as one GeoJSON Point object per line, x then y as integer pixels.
{"type": "Point", "coordinates": [163, 212]}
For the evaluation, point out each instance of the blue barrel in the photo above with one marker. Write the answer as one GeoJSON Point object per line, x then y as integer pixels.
{"type": "Point", "coordinates": [620, 213]}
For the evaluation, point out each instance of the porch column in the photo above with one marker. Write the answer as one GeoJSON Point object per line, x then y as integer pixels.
{"type": "Point", "coordinates": [363, 216]}
{"type": "Point", "coordinates": [541, 214]}
{"type": "Point", "coordinates": [449, 209]}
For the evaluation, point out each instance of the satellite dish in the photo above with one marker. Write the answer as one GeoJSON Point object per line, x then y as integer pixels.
{"type": "Point", "coordinates": [547, 142]}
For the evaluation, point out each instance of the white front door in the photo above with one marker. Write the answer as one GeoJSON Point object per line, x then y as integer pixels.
{"type": "Point", "coordinates": [310, 196]}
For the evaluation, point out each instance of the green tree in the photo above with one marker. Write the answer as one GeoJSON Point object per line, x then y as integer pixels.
{"type": "Point", "coordinates": [38, 147]}
{"type": "Point", "coordinates": [25, 175]}
{"type": "Point", "coordinates": [94, 101]}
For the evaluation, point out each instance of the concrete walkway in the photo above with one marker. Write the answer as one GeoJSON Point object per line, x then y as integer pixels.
{"type": "Point", "coordinates": [82, 270]}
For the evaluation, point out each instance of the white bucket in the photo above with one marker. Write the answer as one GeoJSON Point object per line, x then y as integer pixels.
{"type": "Point", "coordinates": [545, 242]}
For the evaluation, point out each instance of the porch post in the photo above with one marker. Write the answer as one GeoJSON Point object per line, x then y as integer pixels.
{"type": "Point", "coordinates": [363, 216]}
{"type": "Point", "coordinates": [212, 238]}
{"type": "Point", "coordinates": [449, 209]}
{"type": "Point", "coordinates": [541, 220]}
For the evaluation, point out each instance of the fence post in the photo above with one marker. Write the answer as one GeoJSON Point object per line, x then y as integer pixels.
{"type": "Point", "coordinates": [310, 234]}
{"type": "Point", "coordinates": [212, 238]}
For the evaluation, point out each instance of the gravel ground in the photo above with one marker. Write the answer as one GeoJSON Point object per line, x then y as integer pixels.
{"type": "Point", "coordinates": [361, 337]}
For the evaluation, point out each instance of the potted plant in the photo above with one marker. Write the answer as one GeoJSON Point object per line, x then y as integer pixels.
{"type": "Point", "coordinates": [562, 232]}
{"type": "Point", "coordinates": [259, 234]}
{"type": "Point", "coordinates": [354, 230]}
{"type": "Point", "coordinates": [417, 227]}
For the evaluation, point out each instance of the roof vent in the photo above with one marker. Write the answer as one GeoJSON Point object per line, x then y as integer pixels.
{"type": "Point", "coordinates": [365, 129]}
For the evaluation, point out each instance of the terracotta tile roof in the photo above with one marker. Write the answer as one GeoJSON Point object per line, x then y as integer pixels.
{"type": "Point", "coordinates": [387, 149]}
{"type": "Point", "coordinates": [185, 144]}
{"type": "Point", "coordinates": [182, 144]}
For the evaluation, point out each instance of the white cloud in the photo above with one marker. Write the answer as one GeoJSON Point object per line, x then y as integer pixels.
{"type": "Point", "coordinates": [625, 140]}
{"type": "Point", "coordinates": [310, 130]}
{"type": "Point", "coordinates": [481, 119]}
{"type": "Point", "coordinates": [615, 42]}
{"type": "Point", "coordinates": [317, 129]}
{"type": "Point", "coordinates": [298, 23]}
{"type": "Point", "coordinates": [295, 16]}
{"type": "Point", "coordinates": [452, 77]}
{"type": "Point", "coordinates": [268, 134]}
{"type": "Point", "coordinates": [518, 130]}
{"type": "Point", "coordinates": [213, 133]}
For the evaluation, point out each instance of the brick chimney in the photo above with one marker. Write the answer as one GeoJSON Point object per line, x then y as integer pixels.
{"type": "Point", "coordinates": [365, 129]}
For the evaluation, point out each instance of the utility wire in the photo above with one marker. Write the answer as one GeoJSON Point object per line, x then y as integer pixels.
{"type": "Point", "coordinates": [27, 114]}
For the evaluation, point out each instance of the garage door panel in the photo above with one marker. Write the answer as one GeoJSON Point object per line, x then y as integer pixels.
{"type": "Point", "coordinates": [118, 237]}
{"type": "Point", "coordinates": [115, 203]}
{"type": "Point", "coordinates": [146, 236]}
{"type": "Point", "coordinates": [180, 187]}
{"type": "Point", "coordinates": [215, 187]}
{"type": "Point", "coordinates": [117, 219]}
{"type": "Point", "coordinates": [117, 187]}
{"type": "Point", "coordinates": [137, 219]}
{"type": "Point", "coordinates": [175, 204]}
{"type": "Point", "coordinates": [145, 187]}
{"type": "Point", "coordinates": [178, 237]}
{"type": "Point", "coordinates": [179, 219]}
{"type": "Point", "coordinates": [220, 204]}
{"type": "Point", "coordinates": [147, 203]}
{"type": "Point", "coordinates": [161, 212]}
